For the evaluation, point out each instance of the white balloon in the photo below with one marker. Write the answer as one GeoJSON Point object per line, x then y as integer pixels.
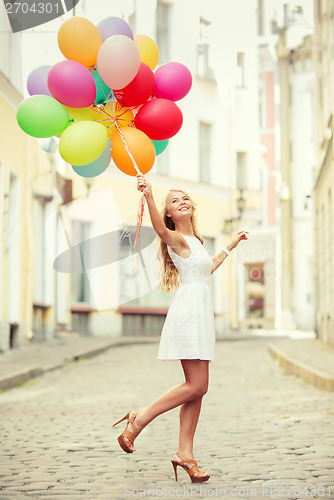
{"type": "Point", "coordinates": [118, 61]}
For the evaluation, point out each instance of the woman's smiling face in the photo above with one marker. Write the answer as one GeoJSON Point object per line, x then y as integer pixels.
{"type": "Point", "coordinates": [178, 205]}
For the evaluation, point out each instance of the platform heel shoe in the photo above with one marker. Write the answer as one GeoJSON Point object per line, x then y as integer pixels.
{"type": "Point", "coordinates": [128, 436]}
{"type": "Point", "coordinates": [190, 466]}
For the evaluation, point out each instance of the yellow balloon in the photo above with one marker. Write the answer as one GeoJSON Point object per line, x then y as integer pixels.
{"type": "Point", "coordinates": [111, 113]}
{"type": "Point", "coordinates": [148, 50]}
{"type": "Point", "coordinates": [82, 142]}
{"type": "Point", "coordinates": [80, 114]}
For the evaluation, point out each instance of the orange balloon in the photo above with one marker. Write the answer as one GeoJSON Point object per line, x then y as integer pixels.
{"type": "Point", "coordinates": [140, 146]}
{"type": "Point", "coordinates": [113, 112]}
{"type": "Point", "coordinates": [79, 40]}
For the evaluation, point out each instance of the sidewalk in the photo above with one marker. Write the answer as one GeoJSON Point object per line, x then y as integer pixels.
{"type": "Point", "coordinates": [304, 357]}
{"type": "Point", "coordinates": [19, 365]}
{"type": "Point", "coordinates": [309, 359]}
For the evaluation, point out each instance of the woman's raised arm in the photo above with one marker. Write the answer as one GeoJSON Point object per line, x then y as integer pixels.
{"type": "Point", "coordinates": [157, 221]}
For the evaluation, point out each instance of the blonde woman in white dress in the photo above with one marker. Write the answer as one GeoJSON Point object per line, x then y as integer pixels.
{"type": "Point", "coordinates": [188, 333]}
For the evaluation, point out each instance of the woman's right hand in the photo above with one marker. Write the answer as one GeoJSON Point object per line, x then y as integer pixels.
{"type": "Point", "coordinates": [237, 237]}
{"type": "Point", "coordinates": [143, 185]}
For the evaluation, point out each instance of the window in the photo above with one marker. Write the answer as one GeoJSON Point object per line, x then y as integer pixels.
{"type": "Point", "coordinates": [241, 170]}
{"type": "Point", "coordinates": [203, 67]}
{"type": "Point", "coordinates": [80, 290]}
{"type": "Point", "coordinates": [10, 54]}
{"type": "Point", "coordinates": [255, 290]}
{"type": "Point", "coordinates": [163, 12]}
{"type": "Point", "coordinates": [286, 13]}
{"type": "Point", "coordinates": [240, 78]}
{"type": "Point", "coordinates": [162, 162]}
{"type": "Point", "coordinates": [204, 151]}
{"type": "Point", "coordinates": [319, 10]}
{"type": "Point", "coordinates": [274, 26]}
{"type": "Point", "coordinates": [132, 21]}
{"type": "Point", "coordinates": [40, 256]}
{"type": "Point", "coordinates": [260, 18]}
{"type": "Point", "coordinates": [262, 106]}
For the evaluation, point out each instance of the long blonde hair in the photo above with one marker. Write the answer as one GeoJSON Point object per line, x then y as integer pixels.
{"type": "Point", "coordinates": [169, 275]}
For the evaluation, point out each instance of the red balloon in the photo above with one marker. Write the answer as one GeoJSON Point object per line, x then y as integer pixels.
{"type": "Point", "coordinates": [139, 89]}
{"type": "Point", "coordinates": [160, 119]}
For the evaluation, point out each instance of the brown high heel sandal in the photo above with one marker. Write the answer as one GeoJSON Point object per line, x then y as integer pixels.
{"type": "Point", "coordinates": [193, 470]}
{"type": "Point", "coordinates": [128, 436]}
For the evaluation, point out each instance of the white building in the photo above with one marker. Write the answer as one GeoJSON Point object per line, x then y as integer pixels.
{"type": "Point", "coordinates": [215, 154]}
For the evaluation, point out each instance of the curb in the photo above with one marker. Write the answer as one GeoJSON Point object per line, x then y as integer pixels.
{"type": "Point", "coordinates": [293, 366]}
{"type": "Point", "coordinates": [20, 378]}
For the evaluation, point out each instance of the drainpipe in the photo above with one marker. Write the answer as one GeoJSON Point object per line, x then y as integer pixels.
{"type": "Point", "coordinates": [2, 194]}
{"type": "Point", "coordinates": [29, 249]}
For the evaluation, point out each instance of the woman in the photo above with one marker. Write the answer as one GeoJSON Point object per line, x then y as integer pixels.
{"type": "Point", "coordinates": [188, 332]}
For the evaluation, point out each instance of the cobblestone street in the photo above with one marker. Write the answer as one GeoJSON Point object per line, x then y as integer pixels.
{"type": "Point", "coordinates": [261, 433]}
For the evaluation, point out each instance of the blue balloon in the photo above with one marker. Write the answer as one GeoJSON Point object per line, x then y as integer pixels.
{"type": "Point", "coordinates": [48, 145]}
{"type": "Point", "coordinates": [97, 166]}
{"type": "Point", "coordinates": [102, 89]}
{"type": "Point", "coordinates": [111, 97]}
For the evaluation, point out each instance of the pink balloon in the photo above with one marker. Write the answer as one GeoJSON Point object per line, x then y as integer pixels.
{"type": "Point", "coordinates": [118, 61]}
{"type": "Point", "coordinates": [72, 84]}
{"type": "Point", "coordinates": [172, 81]}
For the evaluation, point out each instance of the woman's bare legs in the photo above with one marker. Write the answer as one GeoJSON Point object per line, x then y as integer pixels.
{"type": "Point", "coordinates": [189, 414]}
{"type": "Point", "coordinates": [191, 391]}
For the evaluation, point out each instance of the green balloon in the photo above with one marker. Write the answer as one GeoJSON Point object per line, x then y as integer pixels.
{"type": "Point", "coordinates": [42, 116]}
{"type": "Point", "coordinates": [160, 146]}
{"type": "Point", "coordinates": [102, 89]}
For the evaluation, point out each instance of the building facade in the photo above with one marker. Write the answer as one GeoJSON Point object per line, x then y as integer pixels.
{"type": "Point", "coordinates": [286, 92]}
{"type": "Point", "coordinates": [67, 223]}
{"type": "Point", "coordinates": [213, 157]}
{"type": "Point", "coordinates": [26, 191]}
{"type": "Point", "coordinates": [323, 189]}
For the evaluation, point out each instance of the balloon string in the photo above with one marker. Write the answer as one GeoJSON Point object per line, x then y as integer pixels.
{"type": "Point", "coordinates": [113, 118]}
{"type": "Point", "coordinates": [123, 113]}
{"type": "Point", "coordinates": [141, 207]}
{"type": "Point", "coordinates": [127, 149]}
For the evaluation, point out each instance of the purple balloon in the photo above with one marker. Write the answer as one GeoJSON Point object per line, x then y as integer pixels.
{"type": "Point", "coordinates": [173, 81]}
{"type": "Point", "coordinates": [72, 84]}
{"type": "Point", "coordinates": [114, 26]}
{"type": "Point", "coordinates": [37, 81]}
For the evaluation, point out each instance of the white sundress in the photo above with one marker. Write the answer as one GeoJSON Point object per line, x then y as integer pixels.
{"type": "Point", "coordinates": [189, 331]}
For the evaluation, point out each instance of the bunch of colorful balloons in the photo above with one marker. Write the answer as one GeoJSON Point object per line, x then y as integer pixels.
{"type": "Point", "coordinates": [105, 100]}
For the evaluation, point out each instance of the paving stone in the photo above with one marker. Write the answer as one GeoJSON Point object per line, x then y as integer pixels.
{"type": "Point", "coordinates": [58, 433]}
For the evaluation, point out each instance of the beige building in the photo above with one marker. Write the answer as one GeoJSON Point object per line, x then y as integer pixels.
{"type": "Point", "coordinates": [26, 180]}
{"type": "Point", "coordinates": [323, 191]}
